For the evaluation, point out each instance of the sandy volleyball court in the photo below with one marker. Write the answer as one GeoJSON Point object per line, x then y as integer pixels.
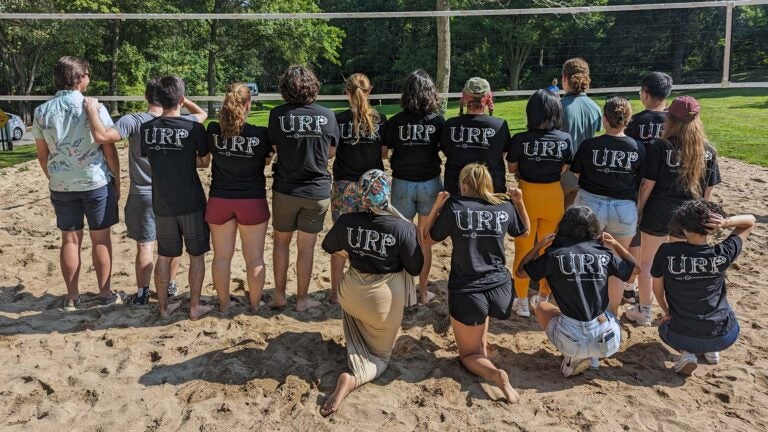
{"type": "Point", "coordinates": [119, 368]}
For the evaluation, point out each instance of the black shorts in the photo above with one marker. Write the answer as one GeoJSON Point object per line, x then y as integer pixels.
{"type": "Point", "coordinates": [474, 307]}
{"type": "Point", "coordinates": [189, 228]}
{"type": "Point", "coordinates": [98, 206]}
{"type": "Point", "coordinates": [656, 216]}
{"type": "Point", "coordinates": [636, 240]}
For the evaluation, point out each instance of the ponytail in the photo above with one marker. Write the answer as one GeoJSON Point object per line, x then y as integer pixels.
{"type": "Point", "coordinates": [691, 144]}
{"type": "Point", "coordinates": [477, 181]}
{"type": "Point", "coordinates": [617, 111]}
{"type": "Point", "coordinates": [364, 118]}
{"type": "Point", "coordinates": [232, 114]}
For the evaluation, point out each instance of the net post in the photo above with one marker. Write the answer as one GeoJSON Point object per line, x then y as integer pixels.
{"type": "Point", "coordinates": [728, 40]}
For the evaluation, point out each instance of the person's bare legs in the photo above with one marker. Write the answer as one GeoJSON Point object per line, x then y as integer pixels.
{"type": "Point", "coordinates": [252, 238]}
{"type": "Point", "coordinates": [426, 250]}
{"type": "Point", "coordinates": [544, 313]}
{"type": "Point", "coordinates": [616, 285]}
{"type": "Point", "coordinates": [305, 243]}
{"type": "Point", "coordinates": [344, 386]}
{"type": "Point", "coordinates": [280, 255]}
{"type": "Point", "coordinates": [102, 260]}
{"type": "Point", "coordinates": [174, 267]}
{"type": "Point", "coordinates": [223, 237]}
{"type": "Point", "coordinates": [162, 278]}
{"type": "Point", "coordinates": [69, 261]}
{"type": "Point", "coordinates": [649, 246]}
{"type": "Point", "coordinates": [143, 264]}
{"type": "Point", "coordinates": [471, 341]}
{"type": "Point", "coordinates": [196, 276]}
{"type": "Point", "coordinates": [337, 270]}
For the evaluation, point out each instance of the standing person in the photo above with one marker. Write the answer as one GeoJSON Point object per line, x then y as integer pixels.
{"type": "Point", "coordinates": [479, 285]}
{"type": "Point", "coordinates": [413, 136]}
{"type": "Point", "coordinates": [578, 264]}
{"type": "Point", "coordinates": [237, 200]}
{"type": "Point", "coordinates": [689, 282]}
{"type": "Point", "coordinates": [679, 167]}
{"type": "Point", "coordinates": [646, 126]}
{"type": "Point", "coordinates": [304, 135]}
{"type": "Point", "coordinates": [553, 86]}
{"type": "Point", "coordinates": [608, 168]}
{"type": "Point", "coordinates": [384, 253]}
{"type": "Point", "coordinates": [83, 177]}
{"type": "Point", "coordinates": [581, 116]}
{"type": "Point", "coordinates": [139, 216]}
{"type": "Point", "coordinates": [359, 150]}
{"type": "Point", "coordinates": [538, 157]}
{"type": "Point", "coordinates": [475, 137]}
{"type": "Point", "coordinates": [175, 146]}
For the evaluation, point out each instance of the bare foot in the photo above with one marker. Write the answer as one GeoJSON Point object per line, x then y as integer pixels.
{"type": "Point", "coordinates": [198, 312]}
{"type": "Point", "coordinates": [344, 385]}
{"type": "Point", "coordinates": [502, 380]}
{"type": "Point", "coordinates": [306, 303]}
{"type": "Point", "coordinates": [333, 298]}
{"type": "Point", "coordinates": [278, 302]}
{"type": "Point", "coordinates": [171, 308]}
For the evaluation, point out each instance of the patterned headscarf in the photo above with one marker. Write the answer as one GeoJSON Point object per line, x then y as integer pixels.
{"type": "Point", "coordinates": [375, 188]}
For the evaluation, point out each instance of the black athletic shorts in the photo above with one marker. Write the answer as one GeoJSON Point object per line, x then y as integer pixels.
{"type": "Point", "coordinates": [474, 307]}
{"type": "Point", "coordinates": [188, 230]}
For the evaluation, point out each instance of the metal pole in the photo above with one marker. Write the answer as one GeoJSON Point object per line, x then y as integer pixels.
{"type": "Point", "coordinates": [728, 39]}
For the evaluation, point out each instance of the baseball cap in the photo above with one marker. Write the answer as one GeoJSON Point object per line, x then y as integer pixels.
{"type": "Point", "coordinates": [476, 86]}
{"type": "Point", "coordinates": [684, 108]}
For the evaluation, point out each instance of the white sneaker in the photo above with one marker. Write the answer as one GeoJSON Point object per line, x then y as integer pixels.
{"type": "Point", "coordinates": [640, 314]}
{"type": "Point", "coordinates": [573, 366]}
{"type": "Point", "coordinates": [535, 300]}
{"type": "Point", "coordinates": [686, 364]}
{"type": "Point", "coordinates": [594, 364]}
{"type": "Point", "coordinates": [520, 306]}
{"type": "Point", "coordinates": [712, 358]}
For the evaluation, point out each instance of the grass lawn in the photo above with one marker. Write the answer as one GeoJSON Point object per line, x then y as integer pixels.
{"type": "Point", "coordinates": [17, 156]}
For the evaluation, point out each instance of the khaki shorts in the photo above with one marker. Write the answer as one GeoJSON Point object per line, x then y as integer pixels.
{"type": "Point", "coordinates": [290, 213]}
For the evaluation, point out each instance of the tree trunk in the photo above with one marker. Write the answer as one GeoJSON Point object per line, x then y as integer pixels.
{"type": "Point", "coordinates": [517, 54]}
{"type": "Point", "coordinates": [443, 52]}
{"type": "Point", "coordinates": [212, 52]}
{"type": "Point", "coordinates": [679, 45]}
{"type": "Point", "coordinates": [113, 67]}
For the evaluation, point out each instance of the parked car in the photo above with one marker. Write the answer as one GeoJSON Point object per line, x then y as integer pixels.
{"type": "Point", "coordinates": [16, 126]}
{"type": "Point", "coordinates": [253, 88]}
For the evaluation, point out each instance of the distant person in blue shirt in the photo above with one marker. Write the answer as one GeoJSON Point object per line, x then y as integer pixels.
{"type": "Point", "coordinates": [553, 87]}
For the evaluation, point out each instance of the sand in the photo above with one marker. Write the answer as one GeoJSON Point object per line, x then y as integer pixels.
{"type": "Point", "coordinates": [120, 368]}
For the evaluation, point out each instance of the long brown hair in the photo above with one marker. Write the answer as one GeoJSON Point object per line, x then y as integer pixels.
{"type": "Point", "coordinates": [576, 71]}
{"type": "Point", "coordinates": [232, 115]}
{"type": "Point", "coordinates": [477, 180]}
{"type": "Point", "coordinates": [691, 144]}
{"type": "Point", "coordinates": [364, 118]}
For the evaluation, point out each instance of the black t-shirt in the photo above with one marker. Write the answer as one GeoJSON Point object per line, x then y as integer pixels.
{"type": "Point", "coordinates": [646, 126]}
{"type": "Point", "coordinates": [609, 166]}
{"type": "Point", "coordinates": [578, 271]}
{"type": "Point", "coordinates": [376, 244]}
{"type": "Point", "coordinates": [662, 165]}
{"type": "Point", "coordinates": [356, 154]}
{"type": "Point", "coordinates": [303, 136]}
{"type": "Point", "coordinates": [238, 162]}
{"type": "Point", "coordinates": [477, 231]}
{"type": "Point", "coordinates": [541, 154]}
{"type": "Point", "coordinates": [694, 285]}
{"type": "Point", "coordinates": [472, 138]}
{"type": "Point", "coordinates": [172, 145]}
{"type": "Point", "coordinates": [415, 142]}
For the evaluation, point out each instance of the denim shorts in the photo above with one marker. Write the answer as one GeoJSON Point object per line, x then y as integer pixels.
{"type": "Point", "coordinates": [616, 217]}
{"type": "Point", "coordinates": [98, 206]}
{"type": "Point", "coordinates": [410, 198]}
{"type": "Point", "coordinates": [140, 218]}
{"type": "Point", "coordinates": [580, 339]}
{"type": "Point", "coordinates": [698, 345]}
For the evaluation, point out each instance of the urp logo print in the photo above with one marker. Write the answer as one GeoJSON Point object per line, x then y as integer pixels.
{"type": "Point", "coordinates": [369, 240]}
{"type": "Point", "coordinates": [583, 264]}
{"type": "Point", "coordinates": [480, 220]}
{"type": "Point", "coordinates": [416, 132]}
{"type": "Point", "coordinates": [545, 150]}
{"type": "Point", "coordinates": [614, 159]}
{"type": "Point", "coordinates": [159, 138]}
{"type": "Point", "coordinates": [236, 146]}
{"type": "Point", "coordinates": [302, 124]}
{"type": "Point", "coordinates": [673, 157]}
{"type": "Point", "coordinates": [347, 133]}
{"type": "Point", "coordinates": [648, 131]}
{"type": "Point", "coordinates": [695, 265]}
{"type": "Point", "coordinates": [466, 136]}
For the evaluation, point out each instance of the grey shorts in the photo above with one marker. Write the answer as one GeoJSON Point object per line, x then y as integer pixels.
{"type": "Point", "coordinates": [291, 213]}
{"type": "Point", "coordinates": [140, 218]}
{"type": "Point", "coordinates": [174, 232]}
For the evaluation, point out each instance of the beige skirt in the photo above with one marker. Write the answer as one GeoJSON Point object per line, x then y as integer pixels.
{"type": "Point", "coordinates": [372, 309]}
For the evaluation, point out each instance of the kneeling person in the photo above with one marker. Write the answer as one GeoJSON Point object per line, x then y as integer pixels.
{"type": "Point", "coordinates": [577, 266]}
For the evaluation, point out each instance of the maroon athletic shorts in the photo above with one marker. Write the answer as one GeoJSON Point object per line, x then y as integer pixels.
{"type": "Point", "coordinates": [247, 211]}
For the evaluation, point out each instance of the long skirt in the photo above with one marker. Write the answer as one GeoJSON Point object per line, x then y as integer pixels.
{"type": "Point", "coordinates": [372, 309]}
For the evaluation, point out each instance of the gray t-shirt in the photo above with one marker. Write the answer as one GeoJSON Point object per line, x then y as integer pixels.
{"type": "Point", "coordinates": [138, 166]}
{"type": "Point", "coordinates": [581, 119]}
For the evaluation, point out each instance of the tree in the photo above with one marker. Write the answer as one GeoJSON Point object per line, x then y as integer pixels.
{"type": "Point", "coordinates": [443, 51]}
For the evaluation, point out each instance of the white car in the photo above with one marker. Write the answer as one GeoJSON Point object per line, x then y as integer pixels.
{"type": "Point", "coordinates": [16, 126]}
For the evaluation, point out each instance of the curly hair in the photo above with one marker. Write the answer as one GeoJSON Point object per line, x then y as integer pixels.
{"type": "Point", "coordinates": [617, 111]}
{"type": "Point", "coordinates": [419, 94]}
{"type": "Point", "coordinates": [693, 215]}
{"type": "Point", "coordinates": [299, 85]}
{"type": "Point", "coordinates": [580, 223]}
{"type": "Point", "coordinates": [576, 72]}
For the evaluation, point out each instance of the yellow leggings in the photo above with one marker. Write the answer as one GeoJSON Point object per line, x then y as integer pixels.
{"type": "Point", "coordinates": [544, 204]}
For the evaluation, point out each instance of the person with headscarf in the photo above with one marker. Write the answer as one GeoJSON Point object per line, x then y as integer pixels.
{"type": "Point", "coordinates": [476, 136]}
{"type": "Point", "coordinates": [384, 255]}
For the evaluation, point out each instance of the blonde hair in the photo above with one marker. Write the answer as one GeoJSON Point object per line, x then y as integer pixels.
{"type": "Point", "coordinates": [232, 115]}
{"type": "Point", "coordinates": [691, 143]}
{"type": "Point", "coordinates": [477, 180]}
{"type": "Point", "coordinates": [364, 118]}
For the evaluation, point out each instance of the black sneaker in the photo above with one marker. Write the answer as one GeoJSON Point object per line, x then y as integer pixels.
{"type": "Point", "coordinates": [139, 300]}
{"type": "Point", "coordinates": [629, 297]}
